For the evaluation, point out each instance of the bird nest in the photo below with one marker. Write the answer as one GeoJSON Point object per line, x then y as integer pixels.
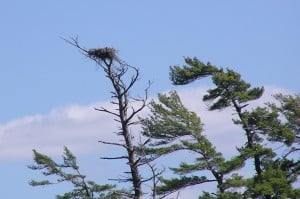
{"type": "Point", "coordinates": [103, 53]}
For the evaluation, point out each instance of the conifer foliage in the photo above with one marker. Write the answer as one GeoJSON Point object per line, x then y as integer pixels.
{"type": "Point", "coordinates": [68, 172]}
{"type": "Point", "coordinates": [265, 127]}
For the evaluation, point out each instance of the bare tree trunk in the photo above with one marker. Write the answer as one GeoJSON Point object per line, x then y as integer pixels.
{"type": "Point", "coordinates": [122, 77]}
{"type": "Point", "coordinates": [121, 93]}
{"type": "Point", "coordinates": [132, 161]}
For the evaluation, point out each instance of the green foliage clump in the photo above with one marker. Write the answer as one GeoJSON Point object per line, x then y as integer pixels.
{"type": "Point", "coordinates": [171, 127]}
{"type": "Point", "coordinates": [68, 171]}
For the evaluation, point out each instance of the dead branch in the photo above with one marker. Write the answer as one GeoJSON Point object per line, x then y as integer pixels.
{"type": "Point", "coordinates": [114, 158]}
{"type": "Point", "coordinates": [101, 109]}
{"type": "Point", "coordinates": [113, 143]}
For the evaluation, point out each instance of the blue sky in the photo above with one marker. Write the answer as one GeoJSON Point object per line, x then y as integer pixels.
{"type": "Point", "coordinates": [42, 77]}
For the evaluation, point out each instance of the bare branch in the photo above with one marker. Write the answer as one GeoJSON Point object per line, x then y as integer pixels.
{"type": "Point", "coordinates": [121, 180]}
{"type": "Point", "coordinates": [185, 186]}
{"type": "Point", "coordinates": [75, 42]}
{"type": "Point", "coordinates": [144, 104]}
{"type": "Point", "coordinates": [113, 143]}
{"type": "Point", "coordinates": [153, 169]}
{"type": "Point", "coordinates": [291, 151]}
{"type": "Point", "coordinates": [134, 78]}
{"type": "Point", "coordinates": [133, 123]}
{"type": "Point", "coordinates": [114, 158]}
{"type": "Point", "coordinates": [107, 111]}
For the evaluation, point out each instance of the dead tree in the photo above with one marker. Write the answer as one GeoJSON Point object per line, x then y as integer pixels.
{"type": "Point", "coordinates": [122, 77]}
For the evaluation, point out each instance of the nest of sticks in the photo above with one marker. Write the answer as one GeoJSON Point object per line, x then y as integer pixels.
{"type": "Point", "coordinates": [103, 53]}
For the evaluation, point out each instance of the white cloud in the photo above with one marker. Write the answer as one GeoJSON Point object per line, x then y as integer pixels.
{"type": "Point", "coordinates": [80, 127]}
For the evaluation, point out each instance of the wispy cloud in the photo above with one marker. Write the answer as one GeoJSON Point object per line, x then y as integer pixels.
{"type": "Point", "coordinates": [80, 127]}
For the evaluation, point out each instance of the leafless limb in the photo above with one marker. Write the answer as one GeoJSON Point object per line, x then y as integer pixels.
{"type": "Point", "coordinates": [113, 143]}
{"type": "Point", "coordinates": [107, 111]}
{"type": "Point", "coordinates": [291, 151]}
{"type": "Point", "coordinates": [114, 158]}
{"type": "Point", "coordinates": [155, 173]}
{"type": "Point", "coordinates": [74, 42]}
{"type": "Point", "coordinates": [121, 180]}
{"type": "Point", "coordinates": [186, 185]}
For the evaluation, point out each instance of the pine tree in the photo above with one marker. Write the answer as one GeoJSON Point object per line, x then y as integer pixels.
{"type": "Point", "coordinates": [68, 172]}
{"type": "Point", "coordinates": [263, 127]}
{"type": "Point", "coordinates": [171, 127]}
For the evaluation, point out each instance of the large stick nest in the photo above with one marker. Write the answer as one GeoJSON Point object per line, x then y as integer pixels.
{"type": "Point", "coordinates": [103, 53]}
